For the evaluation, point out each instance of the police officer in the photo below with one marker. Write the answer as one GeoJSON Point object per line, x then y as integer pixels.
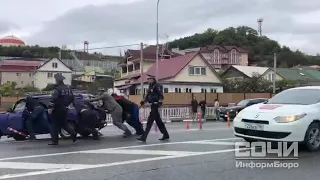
{"type": "Point", "coordinates": [154, 97]}
{"type": "Point", "coordinates": [62, 97]}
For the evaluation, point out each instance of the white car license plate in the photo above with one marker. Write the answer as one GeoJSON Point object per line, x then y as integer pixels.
{"type": "Point", "coordinates": [259, 127]}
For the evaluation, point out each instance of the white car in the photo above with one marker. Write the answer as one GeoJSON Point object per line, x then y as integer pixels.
{"type": "Point", "coordinates": [290, 116]}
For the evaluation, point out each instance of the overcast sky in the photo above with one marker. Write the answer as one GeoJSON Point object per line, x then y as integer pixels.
{"type": "Point", "coordinates": [294, 23]}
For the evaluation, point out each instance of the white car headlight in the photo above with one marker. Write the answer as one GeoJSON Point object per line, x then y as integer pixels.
{"type": "Point", "coordinates": [287, 119]}
{"type": "Point", "coordinates": [239, 115]}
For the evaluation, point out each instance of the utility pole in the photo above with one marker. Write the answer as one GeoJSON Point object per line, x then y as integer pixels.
{"type": "Point", "coordinates": [141, 70]}
{"type": "Point", "coordinates": [157, 52]}
{"type": "Point", "coordinates": [274, 72]}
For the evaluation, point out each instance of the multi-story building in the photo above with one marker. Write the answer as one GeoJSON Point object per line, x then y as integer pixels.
{"type": "Point", "coordinates": [130, 66]}
{"type": "Point", "coordinates": [222, 57]}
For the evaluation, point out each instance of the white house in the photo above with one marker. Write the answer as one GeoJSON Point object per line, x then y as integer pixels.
{"type": "Point", "coordinates": [190, 73]}
{"type": "Point", "coordinates": [44, 75]}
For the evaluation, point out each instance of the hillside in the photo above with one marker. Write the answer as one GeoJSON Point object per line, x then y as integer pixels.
{"type": "Point", "coordinates": [261, 48]}
{"type": "Point", "coordinates": [50, 52]}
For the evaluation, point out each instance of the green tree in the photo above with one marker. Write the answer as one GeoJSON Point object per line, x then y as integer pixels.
{"type": "Point", "coordinates": [261, 49]}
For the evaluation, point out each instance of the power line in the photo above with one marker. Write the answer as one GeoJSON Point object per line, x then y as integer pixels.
{"type": "Point", "coordinates": [109, 47]}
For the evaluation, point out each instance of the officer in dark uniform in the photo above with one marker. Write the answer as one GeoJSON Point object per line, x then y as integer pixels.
{"type": "Point", "coordinates": [62, 97]}
{"type": "Point", "coordinates": [154, 97]}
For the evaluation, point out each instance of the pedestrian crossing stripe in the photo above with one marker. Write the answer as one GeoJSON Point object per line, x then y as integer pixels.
{"type": "Point", "coordinates": [49, 168]}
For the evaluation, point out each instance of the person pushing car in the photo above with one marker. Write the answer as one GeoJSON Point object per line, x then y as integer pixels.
{"type": "Point", "coordinates": [130, 113]}
{"type": "Point", "coordinates": [62, 97]}
{"type": "Point", "coordinates": [110, 104]}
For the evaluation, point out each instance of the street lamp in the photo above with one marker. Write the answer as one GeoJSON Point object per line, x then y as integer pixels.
{"type": "Point", "coordinates": [157, 52]}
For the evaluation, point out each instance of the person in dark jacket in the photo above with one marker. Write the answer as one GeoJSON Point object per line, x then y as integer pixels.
{"type": "Point", "coordinates": [155, 98]}
{"type": "Point", "coordinates": [203, 106]}
{"type": "Point", "coordinates": [194, 109]}
{"type": "Point", "coordinates": [62, 97]}
{"type": "Point", "coordinates": [130, 113]}
{"type": "Point", "coordinates": [33, 113]}
{"type": "Point", "coordinates": [87, 118]}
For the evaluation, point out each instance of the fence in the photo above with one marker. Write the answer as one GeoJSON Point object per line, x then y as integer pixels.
{"type": "Point", "coordinates": [171, 114]}
{"type": "Point", "coordinates": [175, 99]}
{"type": "Point", "coordinates": [183, 99]}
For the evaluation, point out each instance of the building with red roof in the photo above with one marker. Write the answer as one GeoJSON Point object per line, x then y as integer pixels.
{"type": "Point", "coordinates": [18, 71]}
{"type": "Point", "coordinates": [180, 74]}
{"type": "Point", "coordinates": [220, 57]}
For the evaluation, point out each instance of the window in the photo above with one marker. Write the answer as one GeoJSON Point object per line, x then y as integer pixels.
{"type": "Point", "coordinates": [55, 65]}
{"type": "Point", "coordinates": [177, 90]}
{"type": "Point", "coordinates": [21, 82]}
{"type": "Point", "coordinates": [18, 74]}
{"type": "Point", "coordinates": [165, 90]}
{"type": "Point", "coordinates": [188, 90]}
{"type": "Point", "coordinates": [138, 91]}
{"type": "Point", "coordinates": [296, 97]}
{"type": "Point", "coordinates": [32, 83]}
{"type": "Point", "coordinates": [195, 70]}
{"type": "Point", "coordinates": [19, 106]}
{"type": "Point", "coordinates": [212, 90]}
{"type": "Point", "coordinates": [203, 90]}
{"type": "Point", "coordinates": [50, 75]}
{"type": "Point", "coordinates": [8, 82]}
{"type": "Point", "coordinates": [233, 56]}
{"type": "Point", "coordinates": [30, 74]}
{"type": "Point", "coordinates": [271, 77]}
{"type": "Point", "coordinates": [137, 66]}
{"type": "Point", "coordinates": [216, 56]}
{"type": "Point", "coordinates": [243, 103]}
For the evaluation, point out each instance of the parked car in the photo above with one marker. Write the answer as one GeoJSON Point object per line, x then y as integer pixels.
{"type": "Point", "coordinates": [13, 118]}
{"type": "Point", "coordinates": [292, 115]}
{"type": "Point", "coordinates": [233, 110]}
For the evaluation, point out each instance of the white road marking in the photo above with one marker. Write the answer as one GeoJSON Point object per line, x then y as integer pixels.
{"type": "Point", "coordinates": [38, 166]}
{"type": "Point", "coordinates": [124, 147]}
{"type": "Point", "coordinates": [140, 152]}
{"type": "Point", "coordinates": [8, 176]}
{"type": "Point", "coordinates": [213, 143]}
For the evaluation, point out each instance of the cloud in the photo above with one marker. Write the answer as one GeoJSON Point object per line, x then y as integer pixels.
{"type": "Point", "coordinates": [114, 24]}
{"type": "Point", "coordinates": [6, 26]}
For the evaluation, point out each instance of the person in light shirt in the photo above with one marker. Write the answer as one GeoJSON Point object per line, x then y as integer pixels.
{"type": "Point", "coordinates": [216, 109]}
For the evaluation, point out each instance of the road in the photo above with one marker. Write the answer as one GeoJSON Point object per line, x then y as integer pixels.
{"type": "Point", "coordinates": [190, 154]}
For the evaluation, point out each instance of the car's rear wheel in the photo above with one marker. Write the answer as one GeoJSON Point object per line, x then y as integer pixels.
{"type": "Point", "coordinates": [64, 134]}
{"type": "Point", "coordinates": [312, 137]}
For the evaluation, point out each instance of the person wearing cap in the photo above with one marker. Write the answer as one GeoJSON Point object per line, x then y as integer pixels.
{"type": "Point", "coordinates": [62, 97]}
{"type": "Point", "coordinates": [155, 98]}
{"type": "Point", "coordinates": [130, 113]}
{"type": "Point", "coordinates": [110, 104]}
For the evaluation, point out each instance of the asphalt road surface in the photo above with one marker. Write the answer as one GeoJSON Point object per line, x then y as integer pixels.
{"type": "Point", "coordinates": [207, 154]}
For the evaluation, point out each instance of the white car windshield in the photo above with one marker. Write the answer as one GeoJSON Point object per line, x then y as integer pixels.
{"type": "Point", "coordinates": [297, 96]}
{"type": "Point", "coordinates": [243, 103]}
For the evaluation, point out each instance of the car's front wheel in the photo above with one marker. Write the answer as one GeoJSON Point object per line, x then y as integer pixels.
{"type": "Point", "coordinates": [312, 137]}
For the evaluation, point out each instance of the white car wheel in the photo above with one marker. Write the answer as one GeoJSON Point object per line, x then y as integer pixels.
{"type": "Point", "coordinates": [64, 134]}
{"type": "Point", "coordinates": [312, 138]}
